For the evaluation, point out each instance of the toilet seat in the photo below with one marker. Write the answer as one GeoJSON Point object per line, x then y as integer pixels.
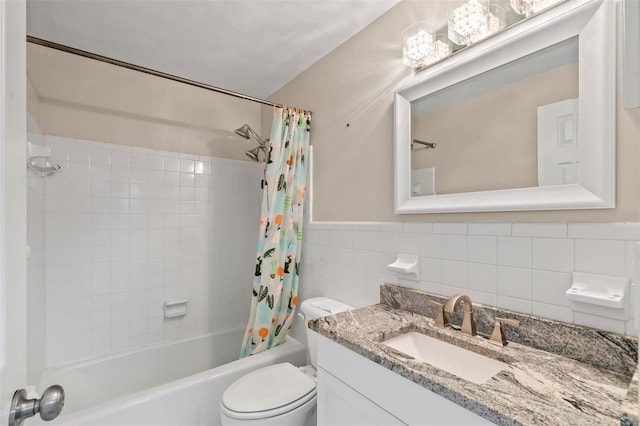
{"type": "Point", "coordinates": [268, 392]}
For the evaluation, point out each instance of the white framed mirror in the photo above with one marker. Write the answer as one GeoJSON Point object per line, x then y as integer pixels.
{"type": "Point", "coordinates": [492, 159]}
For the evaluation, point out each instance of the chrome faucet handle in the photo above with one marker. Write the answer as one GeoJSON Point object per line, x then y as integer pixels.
{"type": "Point", "coordinates": [439, 320]}
{"type": "Point", "coordinates": [497, 337]}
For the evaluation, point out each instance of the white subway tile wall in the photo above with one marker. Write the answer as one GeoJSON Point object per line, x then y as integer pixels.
{"type": "Point", "coordinates": [525, 267]}
{"type": "Point", "coordinates": [127, 229]}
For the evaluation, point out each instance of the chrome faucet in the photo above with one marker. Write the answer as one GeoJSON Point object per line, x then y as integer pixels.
{"type": "Point", "coordinates": [468, 324]}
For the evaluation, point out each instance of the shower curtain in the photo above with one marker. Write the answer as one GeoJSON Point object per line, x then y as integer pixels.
{"type": "Point", "coordinates": [275, 284]}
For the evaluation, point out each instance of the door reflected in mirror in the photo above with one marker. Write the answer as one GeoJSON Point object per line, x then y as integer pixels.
{"type": "Point", "coordinates": [515, 126]}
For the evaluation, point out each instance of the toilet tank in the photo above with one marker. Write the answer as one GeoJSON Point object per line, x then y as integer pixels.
{"type": "Point", "coordinates": [318, 307]}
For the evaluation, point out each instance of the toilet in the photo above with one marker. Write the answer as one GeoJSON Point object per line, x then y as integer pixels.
{"type": "Point", "coordinates": [280, 394]}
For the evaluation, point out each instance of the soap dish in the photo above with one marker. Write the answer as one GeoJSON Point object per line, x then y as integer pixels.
{"type": "Point", "coordinates": [601, 290]}
{"type": "Point", "coordinates": [406, 266]}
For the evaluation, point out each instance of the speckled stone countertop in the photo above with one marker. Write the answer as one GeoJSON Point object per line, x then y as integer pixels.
{"type": "Point", "coordinates": [558, 373]}
{"type": "Point", "coordinates": [629, 416]}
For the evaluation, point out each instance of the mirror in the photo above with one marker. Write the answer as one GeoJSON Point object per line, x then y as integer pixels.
{"type": "Point", "coordinates": [521, 121]}
{"type": "Point", "coordinates": [511, 115]}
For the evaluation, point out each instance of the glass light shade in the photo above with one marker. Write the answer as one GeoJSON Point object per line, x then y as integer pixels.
{"type": "Point", "coordinates": [473, 20]}
{"type": "Point", "coordinates": [529, 7]}
{"type": "Point", "coordinates": [441, 49]}
{"type": "Point", "coordinates": [422, 47]}
{"type": "Point", "coordinates": [418, 44]}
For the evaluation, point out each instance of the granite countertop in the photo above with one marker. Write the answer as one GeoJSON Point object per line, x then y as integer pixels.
{"type": "Point", "coordinates": [629, 411]}
{"type": "Point", "coordinates": [560, 385]}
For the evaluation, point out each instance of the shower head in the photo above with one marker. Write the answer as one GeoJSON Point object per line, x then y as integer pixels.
{"type": "Point", "coordinates": [253, 153]}
{"type": "Point", "coordinates": [246, 132]}
{"type": "Point", "coordinates": [243, 131]}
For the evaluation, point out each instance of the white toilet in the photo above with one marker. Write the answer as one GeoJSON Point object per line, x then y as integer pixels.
{"type": "Point", "coordinates": [281, 394]}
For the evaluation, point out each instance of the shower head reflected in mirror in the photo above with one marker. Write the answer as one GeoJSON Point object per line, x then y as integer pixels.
{"type": "Point", "coordinates": [246, 132]}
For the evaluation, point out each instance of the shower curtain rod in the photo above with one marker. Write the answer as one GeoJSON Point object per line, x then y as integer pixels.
{"type": "Point", "coordinates": [94, 56]}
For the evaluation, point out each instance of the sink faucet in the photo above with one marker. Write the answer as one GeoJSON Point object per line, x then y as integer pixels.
{"type": "Point", "coordinates": [468, 324]}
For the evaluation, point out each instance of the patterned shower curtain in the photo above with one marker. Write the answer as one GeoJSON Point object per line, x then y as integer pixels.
{"type": "Point", "coordinates": [275, 285]}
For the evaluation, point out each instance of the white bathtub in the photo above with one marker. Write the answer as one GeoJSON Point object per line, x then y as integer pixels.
{"type": "Point", "coordinates": [180, 383]}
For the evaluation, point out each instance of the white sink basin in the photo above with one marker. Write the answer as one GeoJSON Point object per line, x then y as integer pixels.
{"type": "Point", "coordinates": [463, 363]}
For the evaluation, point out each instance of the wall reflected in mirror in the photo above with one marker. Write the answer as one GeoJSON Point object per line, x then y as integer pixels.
{"type": "Point", "coordinates": [514, 126]}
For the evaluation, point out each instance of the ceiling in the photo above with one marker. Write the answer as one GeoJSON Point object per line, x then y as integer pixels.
{"type": "Point", "coordinates": [249, 46]}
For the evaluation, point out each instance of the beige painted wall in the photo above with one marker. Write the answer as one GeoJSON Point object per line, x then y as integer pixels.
{"type": "Point", "coordinates": [77, 97]}
{"type": "Point", "coordinates": [497, 147]}
{"type": "Point", "coordinates": [350, 92]}
{"type": "Point", "coordinates": [33, 100]}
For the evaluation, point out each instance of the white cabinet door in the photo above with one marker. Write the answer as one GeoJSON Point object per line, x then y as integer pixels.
{"type": "Point", "coordinates": [338, 404]}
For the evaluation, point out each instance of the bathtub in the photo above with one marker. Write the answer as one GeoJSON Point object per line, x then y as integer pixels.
{"type": "Point", "coordinates": [180, 383]}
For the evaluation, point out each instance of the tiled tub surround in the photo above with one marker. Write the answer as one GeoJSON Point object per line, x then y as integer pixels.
{"type": "Point", "coordinates": [524, 267]}
{"type": "Point", "coordinates": [544, 383]}
{"type": "Point", "coordinates": [127, 229]}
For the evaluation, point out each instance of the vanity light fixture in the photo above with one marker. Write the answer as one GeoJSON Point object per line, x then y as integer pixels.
{"type": "Point", "coordinates": [529, 7]}
{"type": "Point", "coordinates": [422, 46]}
{"type": "Point", "coordinates": [469, 21]}
{"type": "Point", "coordinates": [473, 20]}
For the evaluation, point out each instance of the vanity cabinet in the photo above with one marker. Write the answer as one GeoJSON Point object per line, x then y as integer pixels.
{"type": "Point", "coordinates": [339, 404]}
{"type": "Point", "coordinates": [353, 390]}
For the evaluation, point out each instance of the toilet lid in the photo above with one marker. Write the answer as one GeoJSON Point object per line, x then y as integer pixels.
{"type": "Point", "coordinates": [267, 388]}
